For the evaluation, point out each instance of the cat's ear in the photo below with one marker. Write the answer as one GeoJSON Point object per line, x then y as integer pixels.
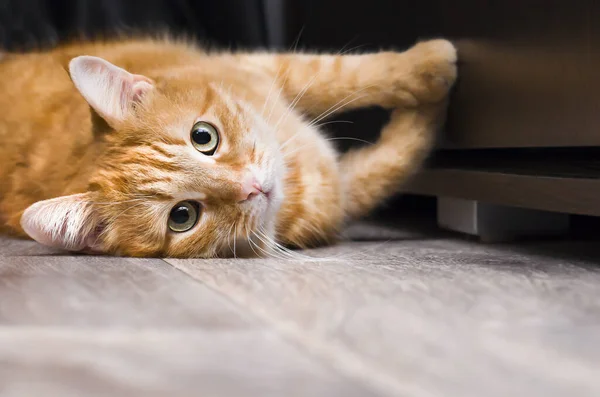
{"type": "Point", "coordinates": [67, 222]}
{"type": "Point", "coordinates": [109, 90]}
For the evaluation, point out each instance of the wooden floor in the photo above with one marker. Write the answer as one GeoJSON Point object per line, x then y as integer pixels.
{"type": "Point", "coordinates": [389, 314]}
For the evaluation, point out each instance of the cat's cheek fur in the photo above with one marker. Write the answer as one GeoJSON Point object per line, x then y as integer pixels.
{"type": "Point", "coordinates": [67, 222]}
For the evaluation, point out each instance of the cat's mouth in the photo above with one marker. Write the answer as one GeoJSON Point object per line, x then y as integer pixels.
{"type": "Point", "coordinates": [268, 191]}
{"type": "Point", "coordinates": [273, 196]}
{"type": "Point", "coordinates": [269, 195]}
{"type": "Point", "coordinates": [269, 199]}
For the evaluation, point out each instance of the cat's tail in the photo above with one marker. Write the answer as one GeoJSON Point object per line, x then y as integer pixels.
{"type": "Point", "coordinates": [372, 174]}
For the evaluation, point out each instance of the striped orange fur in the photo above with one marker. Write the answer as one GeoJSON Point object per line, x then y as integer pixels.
{"type": "Point", "coordinates": [96, 150]}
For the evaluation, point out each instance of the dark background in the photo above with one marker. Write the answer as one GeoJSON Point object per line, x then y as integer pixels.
{"type": "Point", "coordinates": [29, 24]}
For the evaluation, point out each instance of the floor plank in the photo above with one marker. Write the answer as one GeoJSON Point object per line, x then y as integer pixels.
{"type": "Point", "coordinates": [147, 363]}
{"type": "Point", "coordinates": [432, 317]}
{"type": "Point", "coordinates": [420, 315]}
{"type": "Point", "coordinates": [22, 247]}
{"type": "Point", "coordinates": [99, 326]}
{"type": "Point", "coordinates": [109, 292]}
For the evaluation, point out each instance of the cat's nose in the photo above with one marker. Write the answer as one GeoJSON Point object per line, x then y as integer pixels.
{"type": "Point", "coordinates": [250, 188]}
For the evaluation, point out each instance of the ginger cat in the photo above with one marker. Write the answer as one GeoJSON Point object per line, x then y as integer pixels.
{"type": "Point", "coordinates": [157, 148]}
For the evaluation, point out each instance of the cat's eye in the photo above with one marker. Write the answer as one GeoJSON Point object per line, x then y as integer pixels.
{"type": "Point", "coordinates": [205, 138]}
{"type": "Point", "coordinates": [184, 216]}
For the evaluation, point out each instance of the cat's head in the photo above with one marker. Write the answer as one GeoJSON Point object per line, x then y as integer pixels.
{"type": "Point", "coordinates": [186, 169]}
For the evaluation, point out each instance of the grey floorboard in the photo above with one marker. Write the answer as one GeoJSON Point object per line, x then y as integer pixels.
{"type": "Point", "coordinates": [147, 363]}
{"type": "Point", "coordinates": [21, 247]}
{"type": "Point", "coordinates": [434, 317]}
{"type": "Point", "coordinates": [107, 292]}
{"type": "Point", "coordinates": [102, 326]}
{"type": "Point", "coordinates": [419, 314]}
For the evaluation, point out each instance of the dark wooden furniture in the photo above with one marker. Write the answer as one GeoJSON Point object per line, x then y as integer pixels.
{"type": "Point", "coordinates": [529, 85]}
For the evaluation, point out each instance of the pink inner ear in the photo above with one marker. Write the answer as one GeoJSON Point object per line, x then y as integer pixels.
{"type": "Point", "coordinates": [109, 89]}
{"type": "Point", "coordinates": [66, 222]}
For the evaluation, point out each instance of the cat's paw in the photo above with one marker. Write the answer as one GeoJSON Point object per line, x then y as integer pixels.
{"type": "Point", "coordinates": [433, 70]}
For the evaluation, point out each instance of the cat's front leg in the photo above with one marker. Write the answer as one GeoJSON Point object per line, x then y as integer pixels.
{"type": "Point", "coordinates": [323, 85]}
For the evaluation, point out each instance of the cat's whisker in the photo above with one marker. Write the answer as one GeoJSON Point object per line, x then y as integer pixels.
{"type": "Point", "coordinates": [252, 244]}
{"type": "Point", "coordinates": [328, 139]}
{"type": "Point", "coordinates": [294, 45]}
{"type": "Point", "coordinates": [324, 115]}
{"type": "Point", "coordinates": [255, 233]}
{"type": "Point", "coordinates": [287, 75]}
{"type": "Point", "coordinates": [334, 122]}
{"type": "Point", "coordinates": [269, 251]}
{"type": "Point", "coordinates": [353, 48]}
{"type": "Point", "coordinates": [235, 241]}
{"type": "Point", "coordinates": [349, 138]}
{"type": "Point", "coordinates": [287, 254]}
{"type": "Point", "coordinates": [262, 113]}
{"type": "Point", "coordinates": [229, 235]}
{"type": "Point", "coordinates": [262, 250]}
{"type": "Point", "coordinates": [270, 243]}
{"type": "Point", "coordinates": [345, 45]}
{"type": "Point", "coordinates": [336, 108]}
{"type": "Point", "coordinates": [294, 255]}
{"type": "Point", "coordinates": [275, 244]}
{"type": "Point", "coordinates": [296, 150]}
{"type": "Point", "coordinates": [297, 133]}
{"type": "Point", "coordinates": [293, 104]}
